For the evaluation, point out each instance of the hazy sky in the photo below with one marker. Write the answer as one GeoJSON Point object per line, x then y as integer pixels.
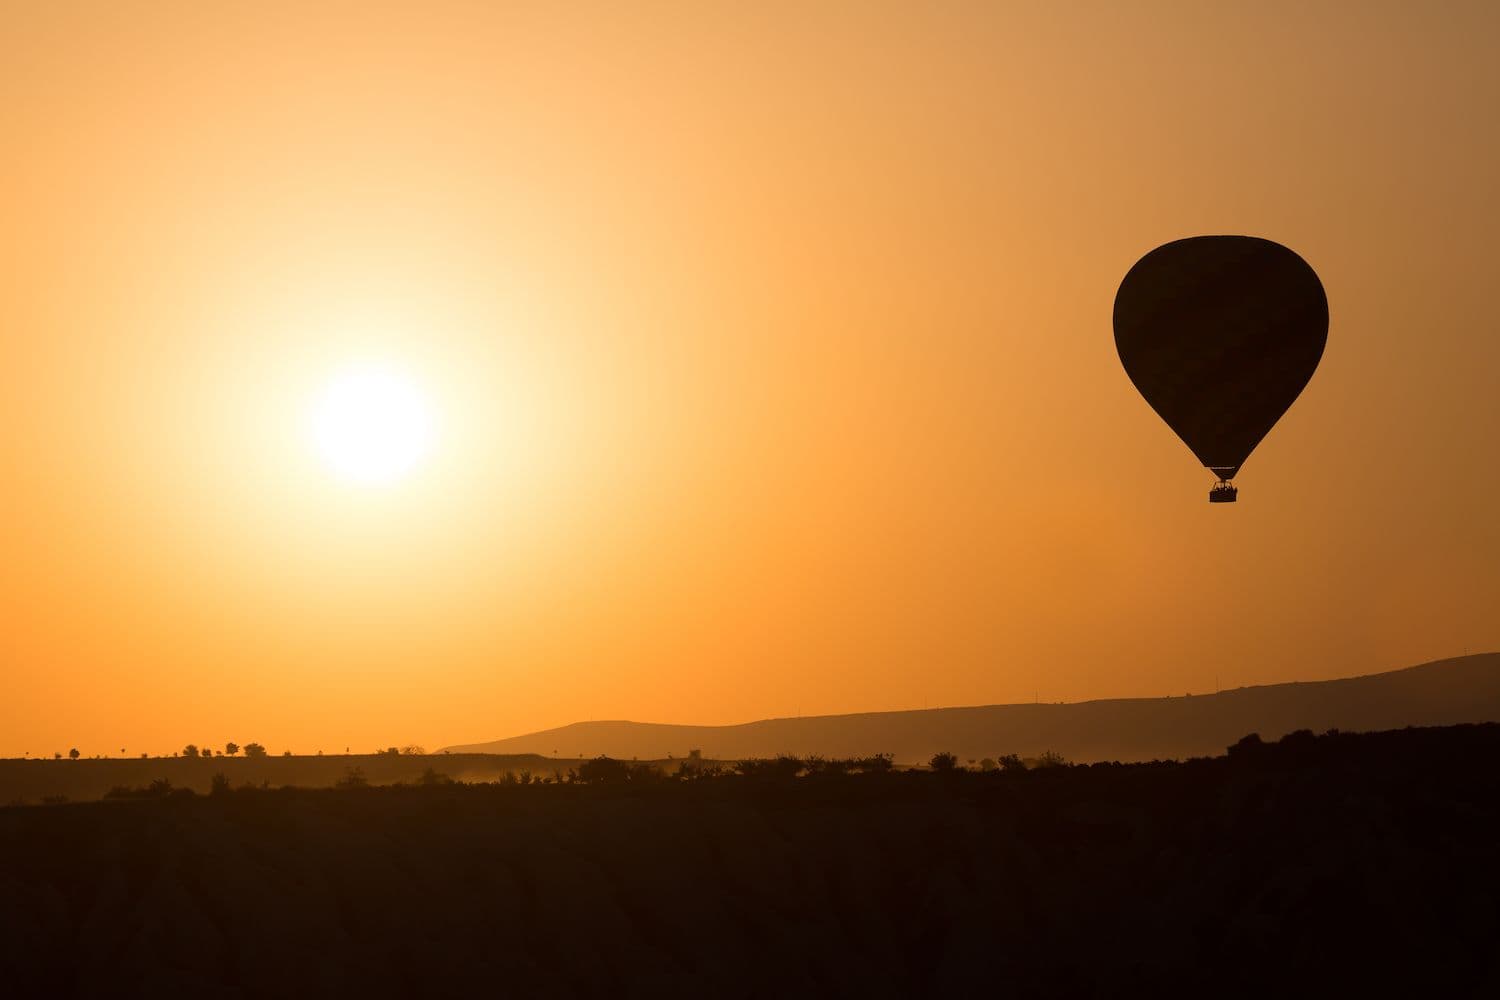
{"type": "Point", "coordinates": [768, 347]}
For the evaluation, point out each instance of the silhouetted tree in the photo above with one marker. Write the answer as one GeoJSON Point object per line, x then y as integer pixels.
{"type": "Point", "coordinates": [943, 762]}
{"type": "Point", "coordinates": [600, 771]}
{"type": "Point", "coordinates": [1051, 758]}
{"type": "Point", "coordinates": [73, 754]}
{"type": "Point", "coordinates": [354, 777]}
{"type": "Point", "coordinates": [231, 748]}
{"type": "Point", "coordinates": [191, 750]}
{"type": "Point", "coordinates": [880, 763]}
{"type": "Point", "coordinates": [1246, 745]}
{"type": "Point", "coordinates": [160, 788]}
{"type": "Point", "coordinates": [254, 750]}
{"type": "Point", "coordinates": [828, 766]}
{"type": "Point", "coordinates": [1012, 762]}
{"type": "Point", "coordinates": [987, 764]}
{"type": "Point", "coordinates": [412, 750]}
{"type": "Point", "coordinates": [781, 766]}
{"type": "Point", "coordinates": [219, 785]}
{"type": "Point", "coordinates": [57, 756]}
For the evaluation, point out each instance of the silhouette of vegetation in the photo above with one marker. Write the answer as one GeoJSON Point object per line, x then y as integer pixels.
{"type": "Point", "coordinates": [73, 754]}
{"type": "Point", "coordinates": [607, 771]}
{"type": "Point", "coordinates": [231, 748]}
{"type": "Point", "coordinates": [780, 767]}
{"type": "Point", "coordinates": [1341, 864]}
{"type": "Point", "coordinates": [219, 784]}
{"type": "Point", "coordinates": [254, 750]}
{"type": "Point", "coordinates": [158, 789]}
{"type": "Point", "coordinates": [1246, 746]}
{"type": "Point", "coordinates": [943, 762]}
{"type": "Point", "coordinates": [190, 750]}
{"type": "Point", "coordinates": [354, 777]}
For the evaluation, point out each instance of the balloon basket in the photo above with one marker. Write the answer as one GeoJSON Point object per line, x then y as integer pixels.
{"type": "Point", "coordinates": [1223, 492]}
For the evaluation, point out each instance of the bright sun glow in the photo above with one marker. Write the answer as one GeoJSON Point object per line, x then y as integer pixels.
{"type": "Point", "coordinates": [372, 425]}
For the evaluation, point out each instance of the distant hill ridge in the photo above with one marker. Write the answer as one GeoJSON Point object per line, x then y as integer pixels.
{"type": "Point", "coordinates": [1443, 692]}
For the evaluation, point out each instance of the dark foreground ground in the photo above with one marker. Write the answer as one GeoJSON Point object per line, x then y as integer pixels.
{"type": "Point", "coordinates": [1312, 866]}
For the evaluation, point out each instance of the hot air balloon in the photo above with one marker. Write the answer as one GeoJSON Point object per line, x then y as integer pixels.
{"type": "Point", "coordinates": [1220, 334]}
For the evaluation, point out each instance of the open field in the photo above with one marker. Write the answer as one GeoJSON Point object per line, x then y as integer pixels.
{"type": "Point", "coordinates": [1335, 864]}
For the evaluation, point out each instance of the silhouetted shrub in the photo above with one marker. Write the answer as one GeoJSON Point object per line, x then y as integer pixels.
{"type": "Point", "coordinates": [833, 766]}
{"type": "Point", "coordinates": [880, 763]}
{"type": "Point", "coordinates": [987, 764]}
{"type": "Point", "coordinates": [219, 784]}
{"type": "Point", "coordinates": [1051, 758]}
{"type": "Point", "coordinates": [780, 767]}
{"type": "Point", "coordinates": [254, 750]}
{"type": "Point", "coordinates": [1246, 745]}
{"type": "Point", "coordinates": [431, 778]}
{"type": "Point", "coordinates": [158, 789]}
{"type": "Point", "coordinates": [354, 777]}
{"type": "Point", "coordinates": [1298, 747]}
{"type": "Point", "coordinates": [73, 754]}
{"type": "Point", "coordinates": [1011, 762]}
{"type": "Point", "coordinates": [601, 771]}
{"type": "Point", "coordinates": [943, 762]}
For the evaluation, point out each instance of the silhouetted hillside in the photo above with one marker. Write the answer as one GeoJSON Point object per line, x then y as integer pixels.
{"type": "Point", "coordinates": [1445, 692]}
{"type": "Point", "coordinates": [1347, 865]}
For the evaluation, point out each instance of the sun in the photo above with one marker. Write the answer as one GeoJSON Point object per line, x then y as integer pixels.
{"type": "Point", "coordinates": [372, 425]}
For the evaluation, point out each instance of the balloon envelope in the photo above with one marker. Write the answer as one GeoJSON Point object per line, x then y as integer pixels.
{"type": "Point", "coordinates": [1220, 334]}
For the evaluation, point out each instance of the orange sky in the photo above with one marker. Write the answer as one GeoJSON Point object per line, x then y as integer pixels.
{"type": "Point", "coordinates": [772, 349]}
